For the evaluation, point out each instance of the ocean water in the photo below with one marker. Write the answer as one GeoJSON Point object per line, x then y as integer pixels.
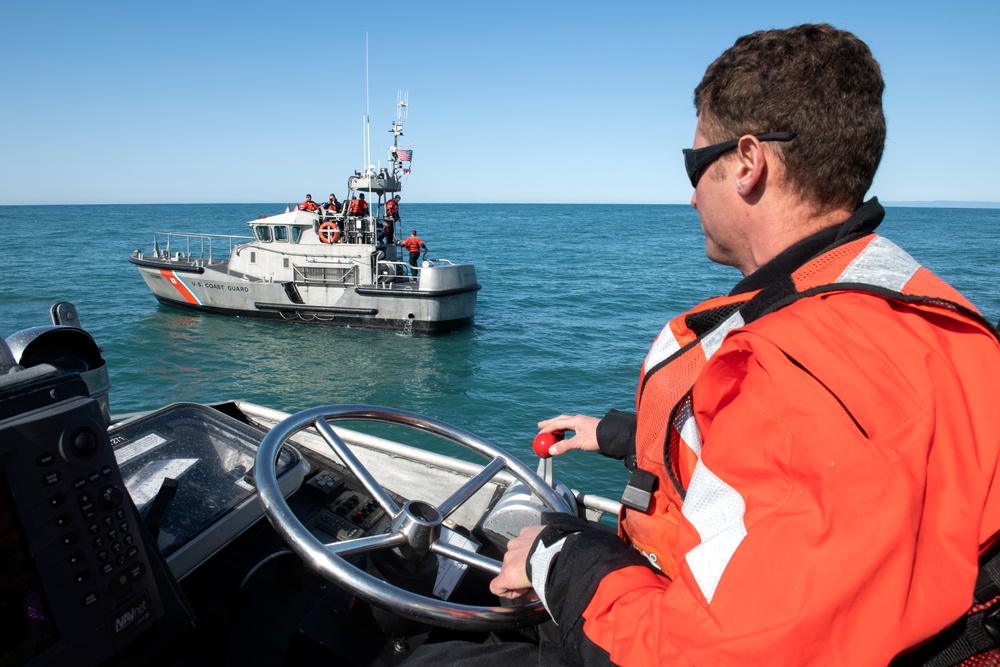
{"type": "Point", "coordinates": [572, 297]}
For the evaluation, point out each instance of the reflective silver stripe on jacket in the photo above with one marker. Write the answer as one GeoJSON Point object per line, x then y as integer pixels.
{"type": "Point", "coordinates": [881, 264]}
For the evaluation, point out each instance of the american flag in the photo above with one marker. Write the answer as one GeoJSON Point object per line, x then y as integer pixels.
{"type": "Point", "coordinates": [404, 154]}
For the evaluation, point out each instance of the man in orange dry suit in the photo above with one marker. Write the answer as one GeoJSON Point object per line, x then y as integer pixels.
{"type": "Point", "coordinates": [389, 222]}
{"type": "Point", "coordinates": [358, 206]}
{"type": "Point", "coordinates": [813, 454]}
{"type": "Point", "coordinates": [413, 244]}
{"type": "Point", "coordinates": [309, 204]}
{"type": "Point", "coordinates": [392, 209]}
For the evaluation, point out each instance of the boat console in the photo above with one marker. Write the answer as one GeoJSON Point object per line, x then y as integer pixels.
{"type": "Point", "coordinates": [189, 471]}
{"type": "Point", "coordinates": [143, 541]}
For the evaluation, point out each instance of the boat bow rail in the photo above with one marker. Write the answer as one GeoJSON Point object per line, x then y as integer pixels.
{"type": "Point", "coordinates": [206, 249]}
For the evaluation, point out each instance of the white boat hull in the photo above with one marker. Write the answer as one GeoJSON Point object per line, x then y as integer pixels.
{"type": "Point", "coordinates": [448, 305]}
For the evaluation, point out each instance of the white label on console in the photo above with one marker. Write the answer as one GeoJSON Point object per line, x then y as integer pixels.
{"type": "Point", "coordinates": [450, 572]}
{"type": "Point", "coordinates": [146, 443]}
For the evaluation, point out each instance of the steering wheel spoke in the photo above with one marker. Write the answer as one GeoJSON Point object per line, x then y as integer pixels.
{"type": "Point", "coordinates": [366, 544]}
{"type": "Point", "coordinates": [468, 557]}
{"type": "Point", "coordinates": [469, 489]}
{"type": "Point", "coordinates": [357, 467]}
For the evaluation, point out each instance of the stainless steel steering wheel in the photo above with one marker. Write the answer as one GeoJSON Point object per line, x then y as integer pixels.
{"type": "Point", "coordinates": [415, 527]}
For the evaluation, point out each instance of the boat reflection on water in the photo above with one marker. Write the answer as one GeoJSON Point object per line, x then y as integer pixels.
{"type": "Point", "coordinates": [168, 356]}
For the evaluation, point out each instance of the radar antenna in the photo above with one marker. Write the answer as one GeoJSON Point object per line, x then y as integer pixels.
{"type": "Point", "coordinates": [398, 154]}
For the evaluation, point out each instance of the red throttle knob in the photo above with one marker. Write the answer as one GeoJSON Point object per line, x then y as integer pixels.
{"type": "Point", "coordinates": [544, 441]}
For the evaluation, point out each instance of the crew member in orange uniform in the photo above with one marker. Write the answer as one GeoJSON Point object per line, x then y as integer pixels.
{"type": "Point", "coordinates": [358, 206]}
{"type": "Point", "coordinates": [309, 204]}
{"type": "Point", "coordinates": [814, 455]}
{"type": "Point", "coordinates": [389, 223]}
{"type": "Point", "coordinates": [392, 209]}
{"type": "Point", "coordinates": [413, 244]}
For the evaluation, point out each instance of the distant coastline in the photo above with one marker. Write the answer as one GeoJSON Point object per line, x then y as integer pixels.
{"type": "Point", "coordinates": [943, 204]}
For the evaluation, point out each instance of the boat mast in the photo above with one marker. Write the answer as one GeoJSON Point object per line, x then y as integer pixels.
{"type": "Point", "coordinates": [367, 128]}
{"type": "Point", "coordinates": [402, 102]}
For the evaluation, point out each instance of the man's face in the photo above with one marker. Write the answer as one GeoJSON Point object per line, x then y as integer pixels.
{"type": "Point", "coordinates": [713, 199]}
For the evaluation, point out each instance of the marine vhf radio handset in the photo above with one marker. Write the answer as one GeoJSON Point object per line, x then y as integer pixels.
{"type": "Point", "coordinates": [79, 581]}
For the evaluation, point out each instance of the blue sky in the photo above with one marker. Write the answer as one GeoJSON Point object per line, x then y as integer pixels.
{"type": "Point", "coordinates": [142, 102]}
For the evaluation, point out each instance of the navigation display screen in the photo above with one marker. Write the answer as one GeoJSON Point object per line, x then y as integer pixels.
{"type": "Point", "coordinates": [26, 623]}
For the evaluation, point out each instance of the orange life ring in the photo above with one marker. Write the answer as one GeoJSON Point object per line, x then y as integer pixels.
{"type": "Point", "coordinates": [324, 233]}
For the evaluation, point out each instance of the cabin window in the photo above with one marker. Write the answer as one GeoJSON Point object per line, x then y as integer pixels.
{"type": "Point", "coordinates": [296, 234]}
{"type": "Point", "coordinates": [253, 257]}
{"type": "Point", "coordinates": [286, 262]}
{"type": "Point", "coordinates": [281, 233]}
{"type": "Point", "coordinates": [264, 233]}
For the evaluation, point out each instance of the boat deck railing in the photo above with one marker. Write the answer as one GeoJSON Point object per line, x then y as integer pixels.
{"type": "Point", "coordinates": [355, 229]}
{"type": "Point", "coordinates": [389, 272]}
{"type": "Point", "coordinates": [195, 246]}
{"type": "Point", "coordinates": [341, 274]}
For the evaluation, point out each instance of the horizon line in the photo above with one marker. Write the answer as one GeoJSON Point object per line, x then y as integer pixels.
{"type": "Point", "coordinates": [932, 203]}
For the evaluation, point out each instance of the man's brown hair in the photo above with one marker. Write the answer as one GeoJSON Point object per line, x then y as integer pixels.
{"type": "Point", "coordinates": [814, 80]}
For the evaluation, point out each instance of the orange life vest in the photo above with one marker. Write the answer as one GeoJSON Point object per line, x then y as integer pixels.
{"type": "Point", "coordinates": [412, 243]}
{"type": "Point", "coordinates": [358, 207]}
{"type": "Point", "coordinates": [668, 442]}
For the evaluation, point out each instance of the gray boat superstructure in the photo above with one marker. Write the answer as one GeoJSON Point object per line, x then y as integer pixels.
{"type": "Point", "coordinates": [322, 267]}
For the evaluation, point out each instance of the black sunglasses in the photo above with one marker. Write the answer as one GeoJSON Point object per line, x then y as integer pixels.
{"type": "Point", "coordinates": [696, 159]}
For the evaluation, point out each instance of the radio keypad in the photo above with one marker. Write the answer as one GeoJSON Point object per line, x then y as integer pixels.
{"type": "Point", "coordinates": [53, 448]}
{"type": "Point", "coordinates": [111, 547]}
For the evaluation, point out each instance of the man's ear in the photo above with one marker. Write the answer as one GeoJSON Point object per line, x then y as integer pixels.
{"type": "Point", "coordinates": [752, 164]}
